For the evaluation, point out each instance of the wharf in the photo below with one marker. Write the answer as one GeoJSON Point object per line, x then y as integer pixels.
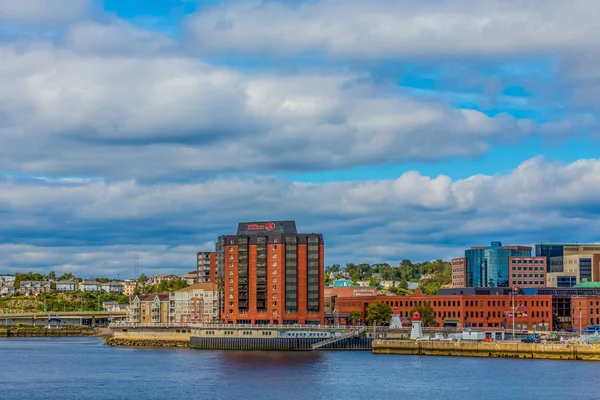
{"type": "Point", "coordinates": [497, 349]}
{"type": "Point", "coordinates": [11, 332]}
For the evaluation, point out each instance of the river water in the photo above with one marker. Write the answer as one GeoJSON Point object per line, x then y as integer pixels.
{"type": "Point", "coordinates": [83, 368]}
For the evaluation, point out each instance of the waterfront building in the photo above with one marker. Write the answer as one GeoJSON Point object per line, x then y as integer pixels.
{"type": "Point", "coordinates": [585, 311]}
{"type": "Point", "coordinates": [150, 309]}
{"type": "Point", "coordinates": [66, 286]}
{"type": "Point", "coordinates": [206, 266]}
{"type": "Point", "coordinates": [90, 287]}
{"type": "Point", "coordinates": [465, 308]}
{"type": "Point", "coordinates": [272, 274]}
{"type": "Point", "coordinates": [29, 288]}
{"type": "Point", "coordinates": [129, 287]}
{"type": "Point", "coordinates": [196, 304]}
{"type": "Point", "coordinates": [190, 278]}
{"type": "Point", "coordinates": [113, 287]}
{"type": "Point", "coordinates": [333, 292]}
{"type": "Point", "coordinates": [156, 279]}
{"type": "Point", "coordinates": [487, 266]}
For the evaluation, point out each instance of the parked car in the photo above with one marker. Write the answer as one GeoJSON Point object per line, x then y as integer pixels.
{"type": "Point", "coordinates": [535, 338]}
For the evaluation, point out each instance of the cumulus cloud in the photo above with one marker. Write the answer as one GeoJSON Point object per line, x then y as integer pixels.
{"type": "Point", "coordinates": [118, 115]}
{"type": "Point", "coordinates": [396, 29]}
{"type": "Point", "coordinates": [90, 223]}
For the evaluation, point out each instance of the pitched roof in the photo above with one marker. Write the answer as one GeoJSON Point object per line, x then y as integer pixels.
{"type": "Point", "coordinates": [208, 286]}
{"type": "Point", "coordinates": [152, 297]}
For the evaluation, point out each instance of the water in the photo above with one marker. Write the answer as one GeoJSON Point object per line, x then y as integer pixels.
{"type": "Point", "coordinates": [83, 368]}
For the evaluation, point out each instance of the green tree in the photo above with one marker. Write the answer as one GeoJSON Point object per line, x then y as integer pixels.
{"type": "Point", "coordinates": [354, 317]}
{"type": "Point", "coordinates": [427, 313]}
{"type": "Point", "coordinates": [372, 281]}
{"type": "Point", "coordinates": [379, 312]}
{"type": "Point", "coordinates": [403, 284]}
{"type": "Point", "coordinates": [142, 279]}
{"type": "Point", "coordinates": [52, 276]}
{"type": "Point", "coordinates": [66, 277]}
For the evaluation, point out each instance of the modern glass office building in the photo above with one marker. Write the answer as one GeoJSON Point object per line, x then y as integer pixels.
{"type": "Point", "coordinates": [489, 266]}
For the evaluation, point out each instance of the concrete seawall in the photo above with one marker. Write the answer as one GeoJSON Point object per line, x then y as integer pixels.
{"type": "Point", "coordinates": [47, 332]}
{"type": "Point", "coordinates": [549, 351]}
{"type": "Point", "coordinates": [147, 342]}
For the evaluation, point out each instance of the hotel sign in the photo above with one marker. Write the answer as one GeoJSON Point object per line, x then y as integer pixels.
{"type": "Point", "coordinates": [269, 227]}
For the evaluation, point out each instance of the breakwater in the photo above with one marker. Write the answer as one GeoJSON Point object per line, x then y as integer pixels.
{"type": "Point", "coordinates": [147, 342]}
{"type": "Point", "coordinates": [548, 351]}
{"type": "Point", "coordinates": [47, 332]}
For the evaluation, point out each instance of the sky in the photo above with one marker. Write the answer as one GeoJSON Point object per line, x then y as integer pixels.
{"type": "Point", "coordinates": [399, 129]}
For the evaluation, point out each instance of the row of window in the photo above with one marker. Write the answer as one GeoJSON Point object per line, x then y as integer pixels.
{"type": "Point", "coordinates": [536, 261]}
{"type": "Point", "coordinates": [530, 269]}
{"type": "Point", "coordinates": [530, 282]}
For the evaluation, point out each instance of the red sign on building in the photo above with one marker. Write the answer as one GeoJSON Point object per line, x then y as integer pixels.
{"type": "Point", "coordinates": [269, 226]}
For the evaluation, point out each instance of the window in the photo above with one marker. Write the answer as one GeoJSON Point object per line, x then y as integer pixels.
{"type": "Point", "coordinates": [274, 263]}
{"type": "Point", "coordinates": [274, 272]}
{"type": "Point", "coordinates": [230, 272]}
{"type": "Point", "coordinates": [274, 280]}
{"type": "Point", "coordinates": [231, 288]}
{"type": "Point", "coordinates": [274, 255]}
{"type": "Point", "coordinates": [274, 304]}
{"type": "Point", "coordinates": [275, 241]}
{"type": "Point", "coordinates": [230, 296]}
{"type": "Point", "coordinates": [231, 241]}
{"type": "Point", "coordinates": [230, 265]}
{"type": "Point", "coordinates": [230, 248]}
{"type": "Point", "coordinates": [274, 287]}
{"type": "Point", "coordinates": [275, 247]}
{"type": "Point", "coordinates": [274, 296]}
{"type": "Point", "coordinates": [230, 280]}
{"type": "Point", "coordinates": [231, 256]}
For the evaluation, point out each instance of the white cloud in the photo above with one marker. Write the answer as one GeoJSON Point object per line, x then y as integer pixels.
{"type": "Point", "coordinates": [93, 223]}
{"type": "Point", "coordinates": [396, 29]}
{"type": "Point", "coordinates": [43, 13]}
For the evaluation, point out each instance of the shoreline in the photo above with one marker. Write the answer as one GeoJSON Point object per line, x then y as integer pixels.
{"type": "Point", "coordinates": [24, 333]}
{"type": "Point", "coordinates": [548, 351]}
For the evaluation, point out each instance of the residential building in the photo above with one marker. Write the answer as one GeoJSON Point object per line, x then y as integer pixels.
{"type": "Point", "coordinates": [190, 278]}
{"type": "Point", "coordinates": [156, 279]}
{"type": "Point", "coordinates": [196, 304]}
{"type": "Point", "coordinates": [113, 306]}
{"type": "Point", "coordinates": [272, 274]}
{"type": "Point", "coordinates": [459, 271]}
{"type": "Point", "coordinates": [29, 288]}
{"type": "Point", "coordinates": [7, 289]}
{"type": "Point", "coordinates": [491, 310]}
{"type": "Point", "coordinates": [150, 309]}
{"type": "Point", "coordinates": [342, 282]}
{"type": "Point", "coordinates": [527, 272]}
{"type": "Point", "coordinates": [129, 287]}
{"type": "Point", "coordinates": [90, 287]}
{"type": "Point", "coordinates": [7, 278]}
{"type": "Point", "coordinates": [206, 266]}
{"type": "Point", "coordinates": [67, 286]}
{"type": "Point", "coordinates": [112, 287]}
{"type": "Point", "coordinates": [489, 266]}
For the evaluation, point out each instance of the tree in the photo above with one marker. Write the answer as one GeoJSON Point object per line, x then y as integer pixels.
{"type": "Point", "coordinates": [403, 284]}
{"type": "Point", "coordinates": [52, 276]}
{"type": "Point", "coordinates": [379, 312]}
{"type": "Point", "coordinates": [427, 313]}
{"type": "Point", "coordinates": [142, 279]}
{"type": "Point", "coordinates": [372, 281]}
{"type": "Point", "coordinates": [66, 277]}
{"type": "Point", "coordinates": [354, 317]}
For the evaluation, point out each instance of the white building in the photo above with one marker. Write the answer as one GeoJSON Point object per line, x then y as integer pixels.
{"type": "Point", "coordinates": [190, 278]}
{"type": "Point", "coordinates": [29, 288]}
{"type": "Point", "coordinates": [113, 306]}
{"type": "Point", "coordinates": [66, 286]}
{"type": "Point", "coordinates": [90, 286]}
{"type": "Point", "coordinates": [112, 287]}
{"type": "Point", "coordinates": [156, 279]}
{"type": "Point", "coordinates": [7, 278]}
{"type": "Point", "coordinates": [7, 289]}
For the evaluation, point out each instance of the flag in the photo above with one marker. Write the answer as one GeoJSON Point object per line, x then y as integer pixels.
{"type": "Point", "coordinates": [522, 305]}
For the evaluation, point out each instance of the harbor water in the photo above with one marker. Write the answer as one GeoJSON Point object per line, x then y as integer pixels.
{"type": "Point", "coordinates": [83, 368]}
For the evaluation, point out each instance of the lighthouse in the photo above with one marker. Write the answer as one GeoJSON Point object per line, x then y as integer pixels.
{"type": "Point", "coordinates": [396, 323]}
{"type": "Point", "coordinates": [417, 330]}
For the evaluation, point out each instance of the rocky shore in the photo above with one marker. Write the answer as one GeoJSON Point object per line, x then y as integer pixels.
{"type": "Point", "coordinates": [147, 342]}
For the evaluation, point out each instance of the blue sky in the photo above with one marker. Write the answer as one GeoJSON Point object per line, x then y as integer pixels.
{"type": "Point", "coordinates": [415, 129]}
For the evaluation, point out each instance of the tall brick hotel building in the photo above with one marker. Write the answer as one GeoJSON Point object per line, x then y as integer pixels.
{"type": "Point", "coordinates": [271, 274]}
